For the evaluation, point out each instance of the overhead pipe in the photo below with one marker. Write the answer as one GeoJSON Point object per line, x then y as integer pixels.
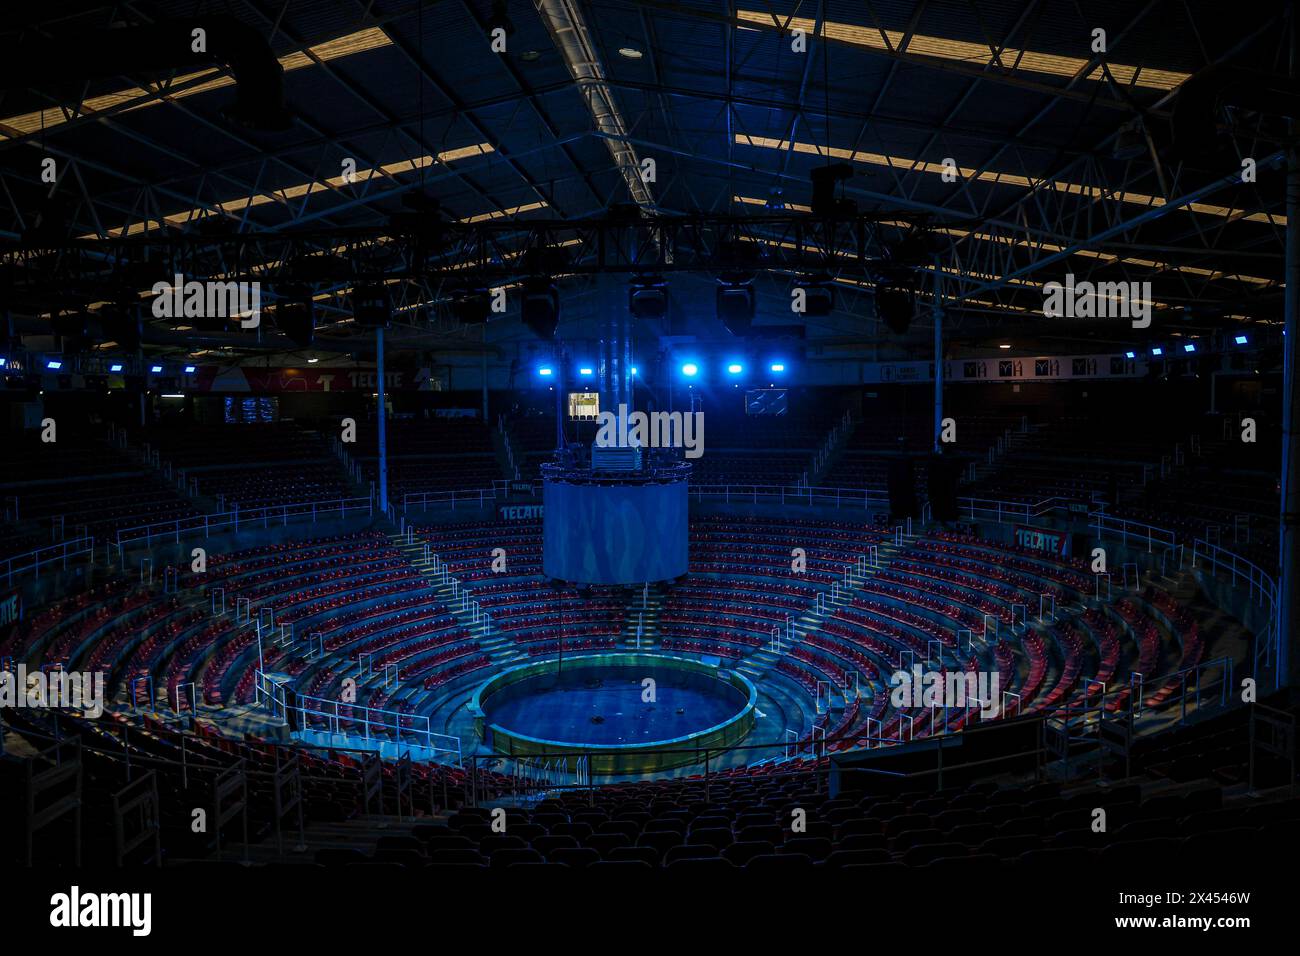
{"type": "Point", "coordinates": [568, 30]}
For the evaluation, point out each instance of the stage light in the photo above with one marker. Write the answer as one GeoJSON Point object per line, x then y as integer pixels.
{"type": "Point", "coordinates": [54, 364]}
{"type": "Point", "coordinates": [1189, 347]}
{"type": "Point", "coordinates": [690, 369]}
{"type": "Point", "coordinates": [312, 361]}
{"type": "Point", "coordinates": [586, 372]}
{"type": "Point", "coordinates": [735, 305]}
{"type": "Point", "coordinates": [190, 370]}
{"type": "Point", "coordinates": [156, 369]}
{"type": "Point", "coordinates": [633, 369]}
{"type": "Point", "coordinates": [3, 362]}
{"type": "Point", "coordinates": [1130, 355]}
{"type": "Point", "coordinates": [546, 371]}
{"type": "Point", "coordinates": [1240, 340]}
{"type": "Point", "coordinates": [818, 295]}
{"type": "Point", "coordinates": [896, 304]}
{"type": "Point", "coordinates": [1004, 346]}
{"type": "Point", "coordinates": [647, 297]}
{"type": "Point", "coordinates": [1157, 351]}
{"type": "Point", "coordinates": [776, 367]}
{"type": "Point", "coordinates": [735, 368]}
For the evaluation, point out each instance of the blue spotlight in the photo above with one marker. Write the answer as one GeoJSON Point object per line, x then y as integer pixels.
{"type": "Point", "coordinates": [1157, 351]}
{"type": "Point", "coordinates": [545, 371]}
{"type": "Point", "coordinates": [1189, 347]}
{"type": "Point", "coordinates": [735, 368]}
{"type": "Point", "coordinates": [690, 369]}
{"type": "Point", "coordinates": [776, 367]}
{"type": "Point", "coordinates": [115, 367]}
{"type": "Point", "coordinates": [1131, 355]}
{"type": "Point", "coordinates": [633, 369]}
{"type": "Point", "coordinates": [54, 364]}
{"type": "Point", "coordinates": [585, 372]}
{"type": "Point", "coordinates": [1240, 340]}
{"type": "Point", "coordinates": [156, 369]}
{"type": "Point", "coordinates": [190, 370]}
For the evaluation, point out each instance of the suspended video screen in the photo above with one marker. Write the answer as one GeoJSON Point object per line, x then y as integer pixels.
{"type": "Point", "coordinates": [584, 406]}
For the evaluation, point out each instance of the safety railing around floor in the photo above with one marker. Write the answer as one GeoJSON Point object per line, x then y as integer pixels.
{"type": "Point", "coordinates": [227, 522]}
{"type": "Point", "coordinates": [60, 553]}
{"type": "Point", "coordinates": [355, 721]}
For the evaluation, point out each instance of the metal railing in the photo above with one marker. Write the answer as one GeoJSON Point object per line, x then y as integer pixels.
{"type": "Point", "coordinates": [465, 498]}
{"type": "Point", "coordinates": [1135, 532]}
{"type": "Point", "coordinates": [226, 522]}
{"type": "Point", "coordinates": [19, 564]}
{"type": "Point", "coordinates": [369, 722]}
{"type": "Point", "coordinates": [1261, 587]}
{"type": "Point", "coordinates": [867, 499]}
{"type": "Point", "coordinates": [996, 509]}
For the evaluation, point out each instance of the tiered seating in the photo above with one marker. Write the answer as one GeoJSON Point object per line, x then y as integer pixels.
{"type": "Point", "coordinates": [78, 485]}
{"type": "Point", "coordinates": [523, 607]}
{"type": "Point", "coordinates": [433, 455]}
{"type": "Point", "coordinates": [249, 465]}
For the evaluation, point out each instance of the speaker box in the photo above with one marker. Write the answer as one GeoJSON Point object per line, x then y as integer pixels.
{"type": "Point", "coordinates": [941, 484]}
{"type": "Point", "coordinates": [902, 489]}
{"type": "Point", "coordinates": [539, 308]}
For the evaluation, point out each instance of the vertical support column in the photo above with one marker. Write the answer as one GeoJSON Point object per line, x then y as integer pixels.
{"type": "Point", "coordinates": [486, 420]}
{"type": "Point", "coordinates": [937, 312]}
{"type": "Point", "coordinates": [561, 361]}
{"type": "Point", "coordinates": [1289, 546]}
{"type": "Point", "coordinates": [614, 348]}
{"type": "Point", "coordinates": [383, 426]}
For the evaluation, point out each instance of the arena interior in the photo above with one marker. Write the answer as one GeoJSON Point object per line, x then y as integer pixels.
{"type": "Point", "coordinates": [834, 443]}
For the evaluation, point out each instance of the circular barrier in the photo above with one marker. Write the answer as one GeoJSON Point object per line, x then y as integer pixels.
{"type": "Point", "coordinates": [619, 711]}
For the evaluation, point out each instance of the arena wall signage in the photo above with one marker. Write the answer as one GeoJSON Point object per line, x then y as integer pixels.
{"type": "Point", "coordinates": [1042, 368]}
{"type": "Point", "coordinates": [11, 611]}
{"type": "Point", "coordinates": [519, 512]}
{"type": "Point", "coordinates": [1038, 539]}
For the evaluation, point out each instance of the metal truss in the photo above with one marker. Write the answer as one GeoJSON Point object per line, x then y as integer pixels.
{"type": "Point", "coordinates": [482, 252]}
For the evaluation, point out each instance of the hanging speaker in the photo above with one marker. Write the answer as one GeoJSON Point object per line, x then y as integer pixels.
{"type": "Point", "coordinates": [539, 309]}
{"type": "Point", "coordinates": [295, 315]}
{"type": "Point", "coordinates": [371, 306]}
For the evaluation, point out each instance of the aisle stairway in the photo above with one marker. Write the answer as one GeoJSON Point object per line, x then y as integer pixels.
{"type": "Point", "coordinates": [647, 615]}
{"type": "Point", "coordinates": [501, 649]}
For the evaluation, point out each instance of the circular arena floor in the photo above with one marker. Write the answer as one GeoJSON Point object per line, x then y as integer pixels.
{"type": "Point", "coordinates": [612, 708]}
